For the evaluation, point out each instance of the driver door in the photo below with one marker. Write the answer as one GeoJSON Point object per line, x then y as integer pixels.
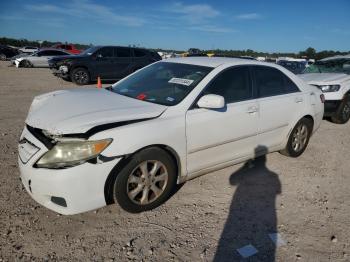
{"type": "Point", "coordinates": [219, 136]}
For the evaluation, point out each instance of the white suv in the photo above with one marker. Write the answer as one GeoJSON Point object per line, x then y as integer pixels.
{"type": "Point", "coordinates": [332, 76]}
{"type": "Point", "coordinates": [164, 124]}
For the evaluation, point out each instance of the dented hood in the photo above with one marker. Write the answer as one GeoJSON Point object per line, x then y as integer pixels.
{"type": "Point", "coordinates": [324, 78]}
{"type": "Point", "coordinates": [78, 110]}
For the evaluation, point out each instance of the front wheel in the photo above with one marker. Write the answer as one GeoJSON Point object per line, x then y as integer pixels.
{"type": "Point", "coordinates": [342, 115]}
{"type": "Point", "coordinates": [298, 138]}
{"type": "Point", "coordinates": [146, 181]}
{"type": "Point", "coordinates": [26, 64]}
{"type": "Point", "coordinates": [80, 76]}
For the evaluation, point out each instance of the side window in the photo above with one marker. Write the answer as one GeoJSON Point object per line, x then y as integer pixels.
{"type": "Point", "coordinates": [123, 52]}
{"type": "Point", "coordinates": [44, 53]}
{"type": "Point", "coordinates": [58, 53]}
{"type": "Point", "coordinates": [290, 86]}
{"type": "Point", "coordinates": [105, 52]}
{"type": "Point", "coordinates": [272, 82]}
{"type": "Point", "coordinates": [233, 84]}
{"type": "Point", "coordinates": [139, 53]}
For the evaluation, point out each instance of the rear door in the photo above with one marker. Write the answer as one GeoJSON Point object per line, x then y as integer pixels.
{"type": "Point", "coordinates": [280, 103]}
{"type": "Point", "coordinates": [141, 58]}
{"type": "Point", "coordinates": [216, 137]}
{"type": "Point", "coordinates": [103, 64]}
{"type": "Point", "coordinates": [122, 62]}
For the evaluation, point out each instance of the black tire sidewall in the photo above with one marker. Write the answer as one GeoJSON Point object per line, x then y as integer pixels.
{"type": "Point", "coordinates": [339, 119]}
{"type": "Point", "coordinates": [289, 147]}
{"type": "Point", "coordinates": [80, 69]}
{"type": "Point", "coordinates": [120, 184]}
{"type": "Point", "coordinates": [26, 64]}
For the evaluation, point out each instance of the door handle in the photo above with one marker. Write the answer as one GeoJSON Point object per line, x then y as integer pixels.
{"type": "Point", "coordinates": [299, 99]}
{"type": "Point", "coordinates": [252, 109]}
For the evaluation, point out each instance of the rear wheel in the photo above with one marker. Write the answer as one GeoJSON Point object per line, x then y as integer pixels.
{"type": "Point", "coordinates": [146, 181]}
{"type": "Point", "coordinates": [342, 115]}
{"type": "Point", "coordinates": [298, 138]}
{"type": "Point", "coordinates": [80, 76]}
{"type": "Point", "coordinates": [2, 57]}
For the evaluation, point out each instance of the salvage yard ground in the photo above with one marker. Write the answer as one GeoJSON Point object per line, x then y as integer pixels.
{"type": "Point", "coordinates": [224, 215]}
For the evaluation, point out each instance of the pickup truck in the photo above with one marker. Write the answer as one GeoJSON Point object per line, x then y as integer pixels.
{"type": "Point", "coordinates": [332, 76]}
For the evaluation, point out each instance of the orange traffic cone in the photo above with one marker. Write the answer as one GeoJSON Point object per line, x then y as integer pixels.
{"type": "Point", "coordinates": [99, 84]}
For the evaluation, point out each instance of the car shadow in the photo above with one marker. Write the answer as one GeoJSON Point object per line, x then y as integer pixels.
{"type": "Point", "coordinates": [252, 214]}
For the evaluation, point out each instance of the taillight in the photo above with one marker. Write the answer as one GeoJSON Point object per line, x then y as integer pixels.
{"type": "Point", "coordinates": [322, 98]}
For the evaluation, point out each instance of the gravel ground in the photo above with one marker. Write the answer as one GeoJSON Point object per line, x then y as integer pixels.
{"type": "Point", "coordinates": [305, 200]}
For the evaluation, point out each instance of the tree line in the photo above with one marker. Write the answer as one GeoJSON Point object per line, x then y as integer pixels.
{"type": "Point", "coordinates": [24, 42]}
{"type": "Point", "coordinates": [309, 53]}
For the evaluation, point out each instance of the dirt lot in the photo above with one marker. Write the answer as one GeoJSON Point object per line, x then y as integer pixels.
{"type": "Point", "coordinates": [305, 200]}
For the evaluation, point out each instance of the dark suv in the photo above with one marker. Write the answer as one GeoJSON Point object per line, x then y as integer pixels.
{"type": "Point", "coordinates": [106, 62]}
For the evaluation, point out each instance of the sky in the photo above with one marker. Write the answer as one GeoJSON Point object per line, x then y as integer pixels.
{"type": "Point", "coordinates": [261, 25]}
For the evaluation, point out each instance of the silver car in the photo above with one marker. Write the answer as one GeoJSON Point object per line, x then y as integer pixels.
{"type": "Point", "coordinates": [40, 58]}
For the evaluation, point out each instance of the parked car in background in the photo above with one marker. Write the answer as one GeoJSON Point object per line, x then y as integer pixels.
{"type": "Point", "coordinates": [7, 52]}
{"type": "Point", "coordinates": [68, 47]}
{"type": "Point", "coordinates": [167, 123]}
{"type": "Point", "coordinates": [28, 49]}
{"type": "Point", "coordinates": [107, 62]}
{"type": "Point", "coordinates": [332, 76]}
{"type": "Point", "coordinates": [297, 67]}
{"type": "Point", "coordinates": [40, 58]}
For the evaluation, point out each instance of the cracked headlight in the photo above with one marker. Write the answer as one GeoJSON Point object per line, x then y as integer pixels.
{"type": "Point", "coordinates": [329, 88]}
{"type": "Point", "coordinates": [71, 153]}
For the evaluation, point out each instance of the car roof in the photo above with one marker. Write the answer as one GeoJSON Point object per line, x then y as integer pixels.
{"type": "Point", "coordinates": [52, 49]}
{"type": "Point", "coordinates": [336, 57]}
{"type": "Point", "coordinates": [214, 61]}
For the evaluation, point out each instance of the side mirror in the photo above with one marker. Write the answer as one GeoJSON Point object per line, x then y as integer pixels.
{"type": "Point", "coordinates": [211, 102]}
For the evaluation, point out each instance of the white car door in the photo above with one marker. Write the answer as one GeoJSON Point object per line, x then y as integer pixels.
{"type": "Point", "coordinates": [280, 103]}
{"type": "Point", "coordinates": [217, 137]}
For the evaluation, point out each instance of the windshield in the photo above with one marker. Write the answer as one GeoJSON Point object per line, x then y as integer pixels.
{"type": "Point", "coordinates": [89, 51]}
{"type": "Point", "coordinates": [162, 83]}
{"type": "Point", "coordinates": [330, 66]}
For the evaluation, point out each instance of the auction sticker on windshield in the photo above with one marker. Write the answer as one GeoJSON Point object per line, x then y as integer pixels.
{"type": "Point", "coordinates": [181, 81]}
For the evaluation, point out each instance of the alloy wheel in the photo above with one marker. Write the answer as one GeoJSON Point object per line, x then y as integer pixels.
{"type": "Point", "coordinates": [346, 111]}
{"type": "Point", "coordinates": [81, 77]}
{"type": "Point", "coordinates": [300, 137]}
{"type": "Point", "coordinates": [147, 182]}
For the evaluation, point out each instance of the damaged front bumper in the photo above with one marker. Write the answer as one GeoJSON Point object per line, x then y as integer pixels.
{"type": "Point", "coordinates": [68, 190]}
{"type": "Point", "coordinates": [61, 72]}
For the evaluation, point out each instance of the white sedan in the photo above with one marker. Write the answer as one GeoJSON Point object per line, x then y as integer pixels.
{"type": "Point", "coordinates": [40, 58]}
{"type": "Point", "coordinates": [167, 123]}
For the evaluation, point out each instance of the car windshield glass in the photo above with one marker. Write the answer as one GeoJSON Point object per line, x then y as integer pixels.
{"type": "Point", "coordinates": [330, 66]}
{"type": "Point", "coordinates": [90, 50]}
{"type": "Point", "coordinates": [162, 83]}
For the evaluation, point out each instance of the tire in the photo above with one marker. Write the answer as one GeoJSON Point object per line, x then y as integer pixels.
{"type": "Point", "coordinates": [298, 138]}
{"type": "Point", "coordinates": [26, 64]}
{"type": "Point", "coordinates": [80, 76]}
{"type": "Point", "coordinates": [342, 115]}
{"type": "Point", "coordinates": [136, 184]}
{"type": "Point", "coordinates": [3, 57]}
